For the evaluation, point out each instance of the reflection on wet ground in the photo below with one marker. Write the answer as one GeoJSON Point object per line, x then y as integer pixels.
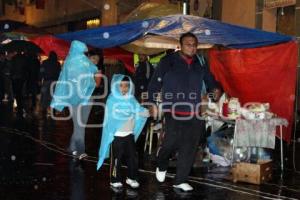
{"type": "Point", "coordinates": [35, 165]}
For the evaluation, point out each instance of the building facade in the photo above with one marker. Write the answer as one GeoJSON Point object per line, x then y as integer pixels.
{"type": "Point", "coordinates": [58, 16]}
{"type": "Point", "coordinates": [269, 15]}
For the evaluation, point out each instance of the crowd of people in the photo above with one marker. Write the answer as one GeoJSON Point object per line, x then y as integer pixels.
{"type": "Point", "coordinates": [181, 72]}
{"type": "Point", "coordinates": [23, 76]}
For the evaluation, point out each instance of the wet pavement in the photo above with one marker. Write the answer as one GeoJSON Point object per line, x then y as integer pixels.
{"type": "Point", "coordinates": [34, 164]}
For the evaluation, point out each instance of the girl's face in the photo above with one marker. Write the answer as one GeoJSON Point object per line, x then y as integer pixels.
{"type": "Point", "coordinates": [95, 59]}
{"type": "Point", "coordinates": [124, 87]}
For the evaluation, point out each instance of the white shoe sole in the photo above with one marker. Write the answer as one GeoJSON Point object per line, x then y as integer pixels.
{"type": "Point", "coordinates": [116, 186]}
{"type": "Point", "coordinates": [160, 175]}
{"type": "Point", "coordinates": [183, 189]}
{"type": "Point", "coordinates": [132, 186]}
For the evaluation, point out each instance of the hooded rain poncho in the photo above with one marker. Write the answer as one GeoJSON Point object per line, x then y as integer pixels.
{"type": "Point", "coordinates": [119, 109]}
{"type": "Point", "coordinates": [76, 81]}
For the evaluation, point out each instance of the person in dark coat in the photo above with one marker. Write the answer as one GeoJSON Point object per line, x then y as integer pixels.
{"type": "Point", "coordinates": [8, 91]}
{"type": "Point", "coordinates": [49, 74]}
{"type": "Point", "coordinates": [19, 75]}
{"type": "Point", "coordinates": [33, 77]}
{"type": "Point", "coordinates": [2, 66]}
{"type": "Point", "coordinates": [142, 75]}
{"type": "Point", "coordinates": [180, 76]}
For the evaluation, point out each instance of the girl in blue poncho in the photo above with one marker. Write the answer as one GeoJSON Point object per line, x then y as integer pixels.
{"type": "Point", "coordinates": [74, 88]}
{"type": "Point", "coordinates": [123, 122]}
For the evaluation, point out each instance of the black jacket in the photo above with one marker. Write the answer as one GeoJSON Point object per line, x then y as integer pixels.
{"type": "Point", "coordinates": [140, 78]}
{"type": "Point", "coordinates": [50, 70]}
{"type": "Point", "coordinates": [180, 82]}
{"type": "Point", "coordinates": [19, 67]}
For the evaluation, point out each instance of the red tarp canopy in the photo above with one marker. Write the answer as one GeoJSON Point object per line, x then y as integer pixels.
{"type": "Point", "coordinates": [266, 74]}
{"type": "Point", "coordinates": [61, 47]}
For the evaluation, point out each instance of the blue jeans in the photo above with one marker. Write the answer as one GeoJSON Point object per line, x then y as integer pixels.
{"type": "Point", "coordinates": [80, 116]}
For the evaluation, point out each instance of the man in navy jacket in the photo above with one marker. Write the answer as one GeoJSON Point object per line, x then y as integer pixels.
{"type": "Point", "coordinates": [179, 77]}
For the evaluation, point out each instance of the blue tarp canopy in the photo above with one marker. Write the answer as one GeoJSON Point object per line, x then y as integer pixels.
{"type": "Point", "coordinates": [208, 31]}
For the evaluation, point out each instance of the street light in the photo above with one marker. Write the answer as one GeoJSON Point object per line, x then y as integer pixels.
{"type": "Point", "coordinates": [186, 7]}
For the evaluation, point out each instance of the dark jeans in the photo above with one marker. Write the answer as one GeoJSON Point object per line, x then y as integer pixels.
{"type": "Point", "coordinates": [8, 86]}
{"type": "Point", "coordinates": [33, 90]}
{"type": "Point", "coordinates": [2, 89]}
{"type": "Point", "coordinates": [18, 85]}
{"type": "Point", "coordinates": [77, 182]}
{"type": "Point", "coordinates": [123, 147]}
{"type": "Point", "coordinates": [184, 136]}
{"type": "Point", "coordinates": [46, 96]}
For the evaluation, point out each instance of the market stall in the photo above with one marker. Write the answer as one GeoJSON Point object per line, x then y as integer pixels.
{"type": "Point", "coordinates": [250, 56]}
{"type": "Point", "coordinates": [251, 65]}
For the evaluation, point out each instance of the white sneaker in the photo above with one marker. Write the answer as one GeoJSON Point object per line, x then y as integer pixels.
{"type": "Point", "coordinates": [132, 183]}
{"type": "Point", "coordinates": [184, 187]}
{"type": "Point", "coordinates": [160, 175]}
{"type": "Point", "coordinates": [116, 185]}
{"type": "Point", "coordinates": [82, 156]}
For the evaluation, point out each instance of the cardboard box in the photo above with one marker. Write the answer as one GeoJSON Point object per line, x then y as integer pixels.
{"type": "Point", "coordinates": [252, 173]}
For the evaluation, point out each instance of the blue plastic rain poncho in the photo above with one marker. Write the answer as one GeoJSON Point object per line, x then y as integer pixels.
{"type": "Point", "coordinates": [76, 81]}
{"type": "Point", "coordinates": [118, 110]}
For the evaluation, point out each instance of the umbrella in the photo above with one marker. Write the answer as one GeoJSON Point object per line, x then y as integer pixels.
{"type": "Point", "coordinates": [50, 43]}
{"type": "Point", "coordinates": [22, 45]}
{"type": "Point", "coordinates": [9, 36]}
{"type": "Point", "coordinates": [148, 10]}
{"type": "Point", "coordinates": [24, 32]}
{"type": "Point", "coordinates": [152, 44]}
